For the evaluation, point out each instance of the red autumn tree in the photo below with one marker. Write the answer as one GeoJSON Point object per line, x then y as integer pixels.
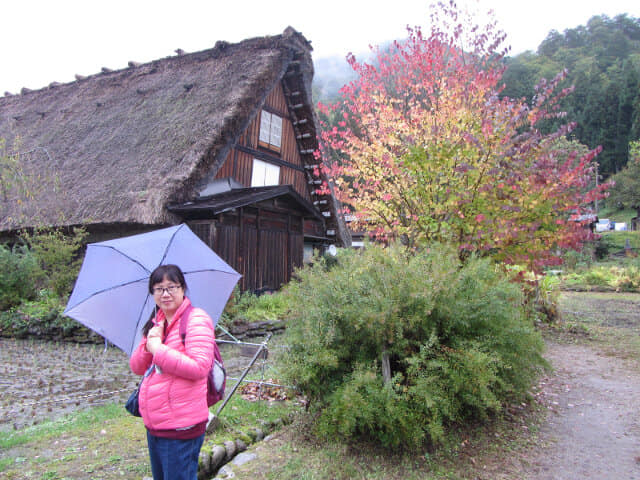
{"type": "Point", "coordinates": [429, 152]}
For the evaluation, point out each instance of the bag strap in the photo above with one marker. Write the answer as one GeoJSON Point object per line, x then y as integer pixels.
{"type": "Point", "coordinates": [184, 320]}
{"type": "Point", "coordinates": [146, 374]}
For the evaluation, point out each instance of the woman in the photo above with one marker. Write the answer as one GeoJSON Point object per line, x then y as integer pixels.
{"type": "Point", "coordinates": [173, 392]}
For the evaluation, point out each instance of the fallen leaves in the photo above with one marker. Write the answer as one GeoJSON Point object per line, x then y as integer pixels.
{"type": "Point", "coordinates": [268, 390]}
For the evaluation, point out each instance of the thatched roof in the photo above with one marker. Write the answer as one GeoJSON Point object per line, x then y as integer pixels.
{"type": "Point", "coordinates": [118, 146]}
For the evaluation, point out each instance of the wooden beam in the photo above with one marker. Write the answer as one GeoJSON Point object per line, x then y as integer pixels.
{"type": "Point", "coordinates": [241, 252]}
{"type": "Point", "coordinates": [259, 272]}
{"type": "Point", "coordinates": [289, 253]}
{"type": "Point", "coordinates": [280, 113]}
{"type": "Point", "coordinates": [268, 158]}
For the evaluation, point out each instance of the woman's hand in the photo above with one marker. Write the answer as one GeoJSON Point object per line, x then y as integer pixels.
{"type": "Point", "coordinates": [154, 338]}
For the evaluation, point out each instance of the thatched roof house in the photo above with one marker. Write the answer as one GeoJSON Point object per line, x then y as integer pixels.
{"type": "Point", "coordinates": [154, 144]}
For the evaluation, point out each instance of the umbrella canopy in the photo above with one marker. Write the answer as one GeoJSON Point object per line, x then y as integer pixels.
{"type": "Point", "coordinates": [111, 294]}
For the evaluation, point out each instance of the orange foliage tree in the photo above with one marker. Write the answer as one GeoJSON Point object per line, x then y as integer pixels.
{"type": "Point", "coordinates": [429, 152]}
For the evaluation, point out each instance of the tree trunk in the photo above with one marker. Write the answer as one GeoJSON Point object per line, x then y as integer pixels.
{"type": "Point", "coordinates": [386, 367]}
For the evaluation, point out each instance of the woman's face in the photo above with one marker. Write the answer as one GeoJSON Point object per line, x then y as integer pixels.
{"type": "Point", "coordinates": [168, 295]}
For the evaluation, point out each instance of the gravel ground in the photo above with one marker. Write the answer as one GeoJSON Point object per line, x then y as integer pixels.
{"type": "Point", "coordinates": [45, 380]}
{"type": "Point", "coordinates": [593, 430]}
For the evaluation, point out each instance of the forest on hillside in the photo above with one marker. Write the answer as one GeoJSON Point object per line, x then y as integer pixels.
{"type": "Point", "coordinates": [603, 63]}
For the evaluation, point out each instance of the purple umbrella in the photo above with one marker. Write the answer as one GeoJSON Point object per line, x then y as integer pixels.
{"type": "Point", "coordinates": [111, 294]}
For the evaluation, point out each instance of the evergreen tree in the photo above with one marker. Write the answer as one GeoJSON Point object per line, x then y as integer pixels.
{"type": "Point", "coordinates": [603, 59]}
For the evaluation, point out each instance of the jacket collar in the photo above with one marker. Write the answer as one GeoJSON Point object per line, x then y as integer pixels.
{"type": "Point", "coordinates": [160, 317]}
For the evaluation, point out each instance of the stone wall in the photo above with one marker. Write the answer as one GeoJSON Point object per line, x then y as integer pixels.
{"type": "Point", "coordinates": [77, 333]}
{"type": "Point", "coordinates": [213, 456]}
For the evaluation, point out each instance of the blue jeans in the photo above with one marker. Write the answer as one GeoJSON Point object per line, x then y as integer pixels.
{"type": "Point", "coordinates": [173, 459]}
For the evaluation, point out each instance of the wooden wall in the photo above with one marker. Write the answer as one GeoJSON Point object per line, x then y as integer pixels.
{"type": "Point", "coordinates": [239, 161]}
{"type": "Point", "coordinates": [264, 246]}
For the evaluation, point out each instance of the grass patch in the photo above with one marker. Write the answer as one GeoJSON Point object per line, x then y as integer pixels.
{"type": "Point", "coordinates": [608, 320]}
{"type": "Point", "coordinates": [616, 241]}
{"type": "Point", "coordinates": [86, 442]}
{"type": "Point", "coordinates": [473, 452]}
{"type": "Point", "coordinates": [618, 215]}
{"type": "Point", "coordinates": [614, 274]}
{"type": "Point", "coordinates": [70, 423]}
{"type": "Point", "coordinates": [239, 416]}
{"type": "Point", "coordinates": [106, 442]}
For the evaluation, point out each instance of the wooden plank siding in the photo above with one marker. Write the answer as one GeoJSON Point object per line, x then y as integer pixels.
{"type": "Point", "coordinates": [263, 241]}
{"type": "Point", "coordinates": [276, 102]}
{"type": "Point", "coordinates": [265, 246]}
{"type": "Point", "coordinates": [239, 163]}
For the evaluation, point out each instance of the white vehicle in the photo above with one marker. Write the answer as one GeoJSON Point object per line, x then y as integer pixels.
{"type": "Point", "coordinates": [620, 227]}
{"type": "Point", "coordinates": [604, 225]}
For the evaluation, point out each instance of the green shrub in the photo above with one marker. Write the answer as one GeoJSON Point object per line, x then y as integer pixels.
{"type": "Point", "coordinates": [57, 253]}
{"type": "Point", "coordinates": [625, 278]}
{"type": "Point", "coordinates": [602, 248]}
{"type": "Point", "coordinates": [597, 277]}
{"type": "Point", "coordinates": [572, 259]}
{"type": "Point", "coordinates": [456, 336]}
{"type": "Point", "coordinates": [247, 306]}
{"type": "Point", "coordinates": [19, 276]}
{"type": "Point", "coordinates": [268, 306]}
{"type": "Point", "coordinates": [38, 317]}
{"type": "Point", "coordinates": [621, 275]}
{"type": "Point", "coordinates": [541, 297]}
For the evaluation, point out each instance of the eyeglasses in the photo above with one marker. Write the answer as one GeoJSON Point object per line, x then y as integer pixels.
{"type": "Point", "coordinates": [171, 289]}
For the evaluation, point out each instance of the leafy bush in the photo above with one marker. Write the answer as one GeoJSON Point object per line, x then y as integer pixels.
{"type": "Point", "coordinates": [19, 274]}
{"type": "Point", "coordinates": [621, 276]}
{"type": "Point", "coordinates": [247, 306]}
{"type": "Point", "coordinates": [269, 306]}
{"type": "Point", "coordinates": [547, 300]}
{"type": "Point", "coordinates": [457, 340]}
{"type": "Point", "coordinates": [58, 256]}
{"type": "Point", "coordinates": [601, 249]}
{"type": "Point", "coordinates": [41, 316]}
{"type": "Point", "coordinates": [34, 284]}
{"type": "Point", "coordinates": [572, 259]}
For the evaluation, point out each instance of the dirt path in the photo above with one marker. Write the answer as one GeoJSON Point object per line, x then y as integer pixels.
{"type": "Point", "coordinates": [593, 429]}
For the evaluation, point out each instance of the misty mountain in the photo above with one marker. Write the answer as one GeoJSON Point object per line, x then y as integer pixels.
{"type": "Point", "coordinates": [331, 73]}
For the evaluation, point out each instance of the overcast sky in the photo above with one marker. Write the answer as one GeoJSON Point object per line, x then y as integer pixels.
{"type": "Point", "coordinates": [51, 40]}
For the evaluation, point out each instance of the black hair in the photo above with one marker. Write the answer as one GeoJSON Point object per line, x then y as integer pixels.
{"type": "Point", "coordinates": [170, 272]}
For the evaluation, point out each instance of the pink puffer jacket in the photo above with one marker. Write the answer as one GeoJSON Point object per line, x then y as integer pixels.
{"type": "Point", "coordinates": [177, 397]}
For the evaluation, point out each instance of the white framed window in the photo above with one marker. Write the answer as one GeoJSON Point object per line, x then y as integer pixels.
{"type": "Point", "coordinates": [270, 130]}
{"type": "Point", "coordinates": [264, 174]}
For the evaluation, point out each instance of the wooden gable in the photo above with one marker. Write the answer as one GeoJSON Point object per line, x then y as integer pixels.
{"type": "Point", "coordinates": [240, 160]}
{"type": "Point", "coordinates": [259, 231]}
